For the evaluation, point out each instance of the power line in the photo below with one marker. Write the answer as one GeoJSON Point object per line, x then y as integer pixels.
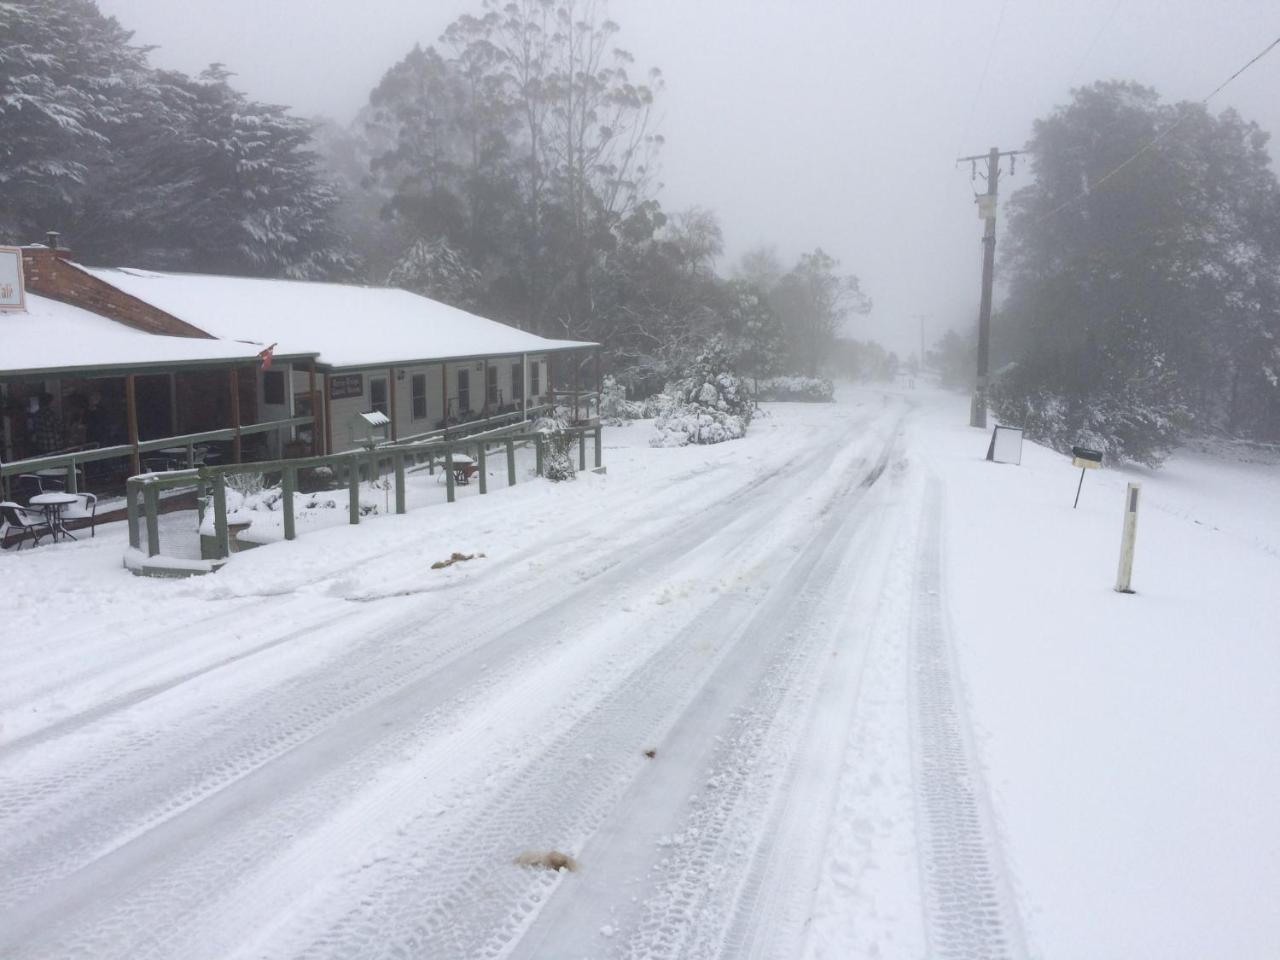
{"type": "Point", "coordinates": [982, 79]}
{"type": "Point", "coordinates": [1160, 136]}
{"type": "Point", "coordinates": [1102, 26]}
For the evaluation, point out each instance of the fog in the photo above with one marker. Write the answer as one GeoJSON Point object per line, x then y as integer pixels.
{"type": "Point", "coordinates": [800, 124]}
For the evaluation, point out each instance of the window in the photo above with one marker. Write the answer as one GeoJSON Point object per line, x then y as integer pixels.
{"type": "Point", "coordinates": [378, 395]}
{"type": "Point", "coordinates": [273, 387]}
{"type": "Point", "coordinates": [535, 370]}
{"type": "Point", "coordinates": [464, 392]}
{"type": "Point", "coordinates": [491, 384]}
{"type": "Point", "coordinates": [419, 390]}
{"type": "Point", "coordinates": [517, 383]}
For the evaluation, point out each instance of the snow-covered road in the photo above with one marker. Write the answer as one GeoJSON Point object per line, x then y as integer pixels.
{"type": "Point", "coordinates": [340, 767]}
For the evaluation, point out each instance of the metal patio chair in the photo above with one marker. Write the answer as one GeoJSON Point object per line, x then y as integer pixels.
{"type": "Point", "coordinates": [85, 509]}
{"type": "Point", "coordinates": [22, 524]}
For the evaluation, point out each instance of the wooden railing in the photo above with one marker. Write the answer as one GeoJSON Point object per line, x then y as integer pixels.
{"type": "Point", "coordinates": [142, 494]}
{"type": "Point", "coordinates": [71, 460]}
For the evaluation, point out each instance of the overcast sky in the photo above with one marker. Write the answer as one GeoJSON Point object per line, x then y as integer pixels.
{"type": "Point", "coordinates": [800, 123]}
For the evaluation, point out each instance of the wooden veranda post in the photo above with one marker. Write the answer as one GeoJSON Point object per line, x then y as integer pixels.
{"type": "Point", "coordinates": [131, 407]}
{"type": "Point", "coordinates": [315, 409]}
{"type": "Point", "coordinates": [391, 390]}
{"type": "Point", "coordinates": [577, 386]}
{"type": "Point", "coordinates": [328, 420]}
{"type": "Point", "coordinates": [288, 483]}
{"type": "Point", "coordinates": [599, 382]}
{"type": "Point", "coordinates": [444, 394]}
{"type": "Point", "coordinates": [551, 380]}
{"type": "Point", "coordinates": [233, 381]}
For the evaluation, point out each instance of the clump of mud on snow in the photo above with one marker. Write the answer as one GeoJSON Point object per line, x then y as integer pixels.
{"type": "Point", "coordinates": [548, 860]}
{"type": "Point", "coordinates": [456, 558]}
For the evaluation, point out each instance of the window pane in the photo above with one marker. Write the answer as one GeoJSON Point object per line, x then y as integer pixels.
{"type": "Point", "coordinates": [419, 389]}
{"type": "Point", "coordinates": [378, 395]}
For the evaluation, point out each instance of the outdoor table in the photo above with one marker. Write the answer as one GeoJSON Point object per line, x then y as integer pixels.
{"type": "Point", "coordinates": [180, 454]}
{"type": "Point", "coordinates": [57, 473]}
{"type": "Point", "coordinates": [53, 504]}
{"type": "Point", "coordinates": [464, 468]}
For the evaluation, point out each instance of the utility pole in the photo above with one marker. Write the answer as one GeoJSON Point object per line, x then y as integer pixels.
{"type": "Point", "coordinates": [987, 211]}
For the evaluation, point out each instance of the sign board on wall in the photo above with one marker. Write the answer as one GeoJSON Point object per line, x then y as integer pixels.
{"type": "Point", "coordinates": [346, 385]}
{"type": "Point", "coordinates": [12, 293]}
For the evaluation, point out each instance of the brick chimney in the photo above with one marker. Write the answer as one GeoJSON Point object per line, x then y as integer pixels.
{"type": "Point", "coordinates": [40, 262]}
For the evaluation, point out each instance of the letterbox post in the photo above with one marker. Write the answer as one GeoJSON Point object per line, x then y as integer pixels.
{"type": "Point", "coordinates": [1085, 459]}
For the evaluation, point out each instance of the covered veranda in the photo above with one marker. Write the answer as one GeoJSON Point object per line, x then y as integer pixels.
{"type": "Point", "coordinates": [86, 402]}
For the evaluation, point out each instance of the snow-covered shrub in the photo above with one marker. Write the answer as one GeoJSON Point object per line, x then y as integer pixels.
{"type": "Point", "coordinates": [617, 411]}
{"type": "Point", "coordinates": [557, 463]}
{"type": "Point", "coordinates": [805, 389]}
{"type": "Point", "coordinates": [245, 484]}
{"type": "Point", "coordinates": [658, 405]}
{"type": "Point", "coordinates": [1138, 419]}
{"type": "Point", "coordinates": [709, 405]}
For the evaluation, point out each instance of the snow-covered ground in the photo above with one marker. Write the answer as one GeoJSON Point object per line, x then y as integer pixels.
{"type": "Point", "coordinates": [893, 707]}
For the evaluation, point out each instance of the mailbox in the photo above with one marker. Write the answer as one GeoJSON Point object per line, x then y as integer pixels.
{"type": "Point", "coordinates": [1086, 459]}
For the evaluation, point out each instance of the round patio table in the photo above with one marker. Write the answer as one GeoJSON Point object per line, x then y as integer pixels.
{"type": "Point", "coordinates": [53, 505]}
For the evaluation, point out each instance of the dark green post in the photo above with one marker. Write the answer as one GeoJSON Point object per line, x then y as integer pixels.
{"type": "Point", "coordinates": [539, 455]}
{"type": "Point", "coordinates": [289, 482]}
{"type": "Point", "coordinates": [448, 474]}
{"type": "Point", "coordinates": [223, 548]}
{"type": "Point", "coordinates": [599, 454]}
{"type": "Point", "coordinates": [582, 450]}
{"type": "Point", "coordinates": [398, 460]}
{"type": "Point", "coordinates": [131, 511]}
{"type": "Point", "coordinates": [151, 504]}
{"type": "Point", "coordinates": [511, 462]}
{"type": "Point", "coordinates": [484, 473]}
{"type": "Point", "coordinates": [353, 489]}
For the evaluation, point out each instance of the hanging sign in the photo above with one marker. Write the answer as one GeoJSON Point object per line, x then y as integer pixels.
{"type": "Point", "coordinates": [346, 385]}
{"type": "Point", "coordinates": [12, 291]}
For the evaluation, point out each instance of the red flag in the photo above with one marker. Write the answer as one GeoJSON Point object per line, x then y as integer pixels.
{"type": "Point", "coordinates": [266, 355]}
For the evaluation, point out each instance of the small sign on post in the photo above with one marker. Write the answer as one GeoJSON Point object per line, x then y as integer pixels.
{"type": "Point", "coordinates": [1085, 459]}
{"type": "Point", "coordinates": [1124, 576]}
{"type": "Point", "coordinates": [1006, 445]}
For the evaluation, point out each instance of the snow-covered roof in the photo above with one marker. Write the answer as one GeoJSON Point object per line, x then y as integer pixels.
{"type": "Point", "coordinates": [51, 335]}
{"type": "Point", "coordinates": [347, 325]}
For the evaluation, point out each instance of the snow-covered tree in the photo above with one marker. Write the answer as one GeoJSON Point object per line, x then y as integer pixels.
{"type": "Point", "coordinates": [710, 404]}
{"type": "Point", "coordinates": [67, 81]}
{"type": "Point", "coordinates": [1152, 295]}
{"type": "Point", "coordinates": [435, 269]}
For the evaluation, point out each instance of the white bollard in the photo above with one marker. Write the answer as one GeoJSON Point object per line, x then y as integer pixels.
{"type": "Point", "coordinates": [1124, 576]}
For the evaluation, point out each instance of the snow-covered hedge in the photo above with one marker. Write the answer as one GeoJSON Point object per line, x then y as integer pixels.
{"type": "Point", "coordinates": [617, 411]}
{"type": "Point", "coordinates": [1132, 421]}
{"type": "Point", "coordinates": [805, 389]}
{"type": "Point", "coordinates": [710, 405]}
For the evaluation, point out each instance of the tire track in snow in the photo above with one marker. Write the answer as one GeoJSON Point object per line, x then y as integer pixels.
{"type": "Point", "coordinates": [464, 897]}
{"type": "Point", "coordinates": [970, 911]}
{"type": "Point", "coordinates": [708, 525]}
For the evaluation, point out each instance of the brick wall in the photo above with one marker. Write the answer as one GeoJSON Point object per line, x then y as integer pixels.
{"type": "Point", "coordinates": [49, 274]}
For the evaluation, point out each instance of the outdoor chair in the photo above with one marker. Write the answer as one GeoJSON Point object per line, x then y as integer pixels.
{"type": "Point", "coordinates": [86, 508]}
{"type": "Point", "coordinates": [28, 485]}
{"type": "Point", "coordinates": [21, 524]}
